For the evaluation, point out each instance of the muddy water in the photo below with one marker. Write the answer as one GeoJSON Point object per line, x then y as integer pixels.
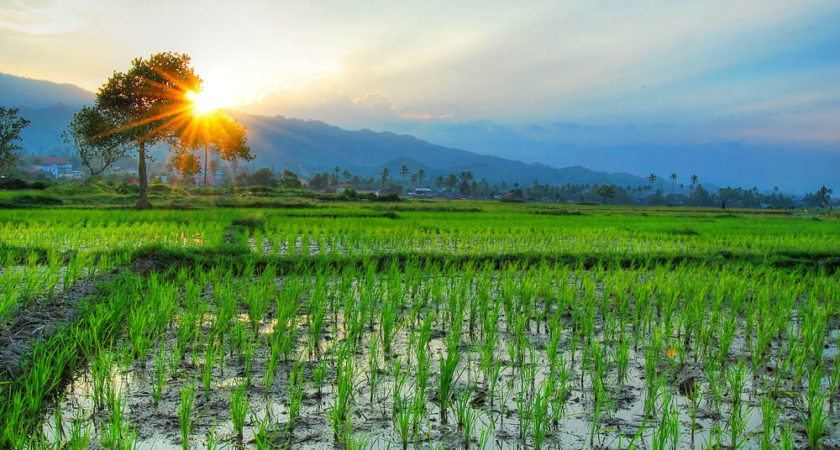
{"type": "Point", "coordinates": [157, 426]}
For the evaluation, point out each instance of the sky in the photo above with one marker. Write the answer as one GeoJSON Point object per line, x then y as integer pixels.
{"type": "Point", "coordinates": [573, 82]}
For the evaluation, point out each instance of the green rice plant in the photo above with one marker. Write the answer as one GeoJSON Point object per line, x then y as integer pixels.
{"type": "Point", "coordinates": [359, 442]}
{"type": "Point", "coordinates": [770, 415]}
{"type": "Point", "coordinates": [294, 393]}
{"type": "Point", "coordinates": [400, 379]}
{"type": "Point", "coordinates": [210, 440]}
{"type": "Point", "coordinates": [319, 375]}
{"type": "Point", "coordinates": [265, 436]}
{"type": "Point", "coordinates": [249, 348]}
{"type": "Point", "coordinates": [816, 420]}
{"type": "Point", "coordinates": [461, 406]}
{"type": "Point", "coordinates": [402, 419]}
{"type": "Point", "coordinates": [339, 414]}
{"type": "Point", "coordinates": [834, 379]}
{"type": "Point", "coordinates": [117, 432]}
{"type": "Point", "coordinates": [418, 407]}
{"type": "Point", "coordinates": [239, 407]}
{"type": "Point", "coordinates": [388, 325]}
{"type": "Point", "coordinates": [787, 441]}
{"type": "Point", "coordinates": [185, 412]}
{"type": "Point", "coordinates": [101, 376]}
{"type": "Point", "coordinates": [622, 360]}
{"type": "Point", "coordinates": [540, 411]}
{"type": "Point", "coordinates": [207, 368]}
{"type": "Point", "coordinates": [668, 428]}
{"type": "Point", "coordinates": [373, 367]}
{"type": "Point", "coordinates": [446, 380]}
{"type": "Point", "coordinates": [736, 380]}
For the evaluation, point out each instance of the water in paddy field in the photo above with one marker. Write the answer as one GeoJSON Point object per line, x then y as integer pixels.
{"type": "Point", "coordinates": [499, 422]}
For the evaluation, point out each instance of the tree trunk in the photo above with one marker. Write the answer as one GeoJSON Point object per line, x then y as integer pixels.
{"type": "Point", "coordinates": [143, 199]}
{"type": "Point", "coordinates": [205, 164]}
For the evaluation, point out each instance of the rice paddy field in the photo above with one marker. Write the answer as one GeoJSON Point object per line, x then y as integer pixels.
{"type": "Point", "coordinates": [418, 325]}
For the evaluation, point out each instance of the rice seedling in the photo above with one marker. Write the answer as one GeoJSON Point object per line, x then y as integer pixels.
{"type": "Point", "coordinates": [815, 422]}
{"type": "Point", "coordinates": [770, 416]}
{"type": "Point", "coordinates": [294, 393]}
{"type": "Point", "coordinates": [185, 412]}
{"type": "Point", "coordinates": [239, 402]}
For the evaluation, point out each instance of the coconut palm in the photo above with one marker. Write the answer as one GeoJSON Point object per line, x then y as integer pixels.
{"type": "Point", "coordinates": [404, 171]}
{"type": "Point", "coordinates": [673, 179]}
{"type": "Point", "coordinates": [385, 173]}
{"type": "Point", "coordinates": [420, 175]}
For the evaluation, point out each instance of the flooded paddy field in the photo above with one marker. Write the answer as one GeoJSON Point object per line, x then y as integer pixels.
{"type": "Point", "coordinates": [420, 332]}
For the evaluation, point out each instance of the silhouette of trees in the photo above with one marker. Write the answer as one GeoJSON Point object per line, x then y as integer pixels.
{"type": "Point", "coordinates": [824, 195]}
{"type": "Point", "coordinates": [420, 175]}
{"type": "Point", "coordinates": [606, 191]}
{"type": "Point", "coordinates": [451, 182]}
{"type": "Point", "coordinates": [673, 179]}
{"type": "Point", "coordinates": [10, 127]}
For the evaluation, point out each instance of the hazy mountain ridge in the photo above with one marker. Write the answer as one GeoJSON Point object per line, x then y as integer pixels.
{"type": "Point", "coordinates": [304, 146]}
{"type": "Point", "coordinates": [313, 146]}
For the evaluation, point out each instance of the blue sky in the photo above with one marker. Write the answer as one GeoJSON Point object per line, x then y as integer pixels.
{"type": "Point", "coordinates": [490, 76]}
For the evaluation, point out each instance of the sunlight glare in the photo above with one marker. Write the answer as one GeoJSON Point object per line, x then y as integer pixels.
{"type": "Point", "coordinates": [204, 101]}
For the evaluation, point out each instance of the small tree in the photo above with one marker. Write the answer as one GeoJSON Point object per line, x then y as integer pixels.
{"type": "Point", "coordinates": [187, 165]}
{"type": "Point", "coordinates": [10, 127]}
{"type": "Point", "coordinates": [91, 135]}
{"type": "Point", "coordinates": [289, 180]}
{"type": "Point", "coordinates": [824, 194]}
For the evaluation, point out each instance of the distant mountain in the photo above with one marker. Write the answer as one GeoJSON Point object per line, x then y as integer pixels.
{"type": "Point", "coordinates": [21, 91]}
{"type": "Point", "coordinates": [48, 106]}
{"type": "Point", "coordinates": [304, 146]}
{"type": "Point", "coordinates": [312, 146]}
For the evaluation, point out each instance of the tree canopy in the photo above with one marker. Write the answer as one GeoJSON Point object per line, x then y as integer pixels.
{"type": "Point", "coordinates": [10, 126]}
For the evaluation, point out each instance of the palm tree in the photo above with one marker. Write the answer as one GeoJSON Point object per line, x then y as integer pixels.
{"type": "Point", "coordinates": [404, 171]}
{"type": "Point", "coordinates": [420, 175]}
{"type": "Point", "coordinates": [451, 181]}
{"type": "Point", "coordinates": [439, 182]}
{"type": "Point", "coordinates": [466, 176]}
{"type": "Point", "coordinates": [652, 179]}
{"type": "Point", "coordinates": [347, 175]}
{"type": "Point", "coordinates": [694, 179]}
{"type": "Point", "coordinates": [385, 173]}
{"type": "Point", "coordinates": [673, 179]}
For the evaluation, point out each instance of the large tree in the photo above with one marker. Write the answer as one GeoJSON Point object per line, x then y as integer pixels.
{"type": "Point", "coordinates": [10, 127]}
{"type": "Point", "coordinates": [150, 104]}
{"type": "Point", "coordinates": [91, 135]}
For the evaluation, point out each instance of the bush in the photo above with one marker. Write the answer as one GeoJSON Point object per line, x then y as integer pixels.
{"type": "Point", "coordinates": [13, 183]}
{"type": "Point", "coordinates": [30, 200]}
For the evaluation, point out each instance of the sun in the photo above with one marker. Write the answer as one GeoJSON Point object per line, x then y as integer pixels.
{"type": "Point", "coordinates": [205, 101]}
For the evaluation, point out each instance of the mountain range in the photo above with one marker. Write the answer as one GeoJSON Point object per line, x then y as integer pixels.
{"type": "Point", "coordinates": [303, 146]}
